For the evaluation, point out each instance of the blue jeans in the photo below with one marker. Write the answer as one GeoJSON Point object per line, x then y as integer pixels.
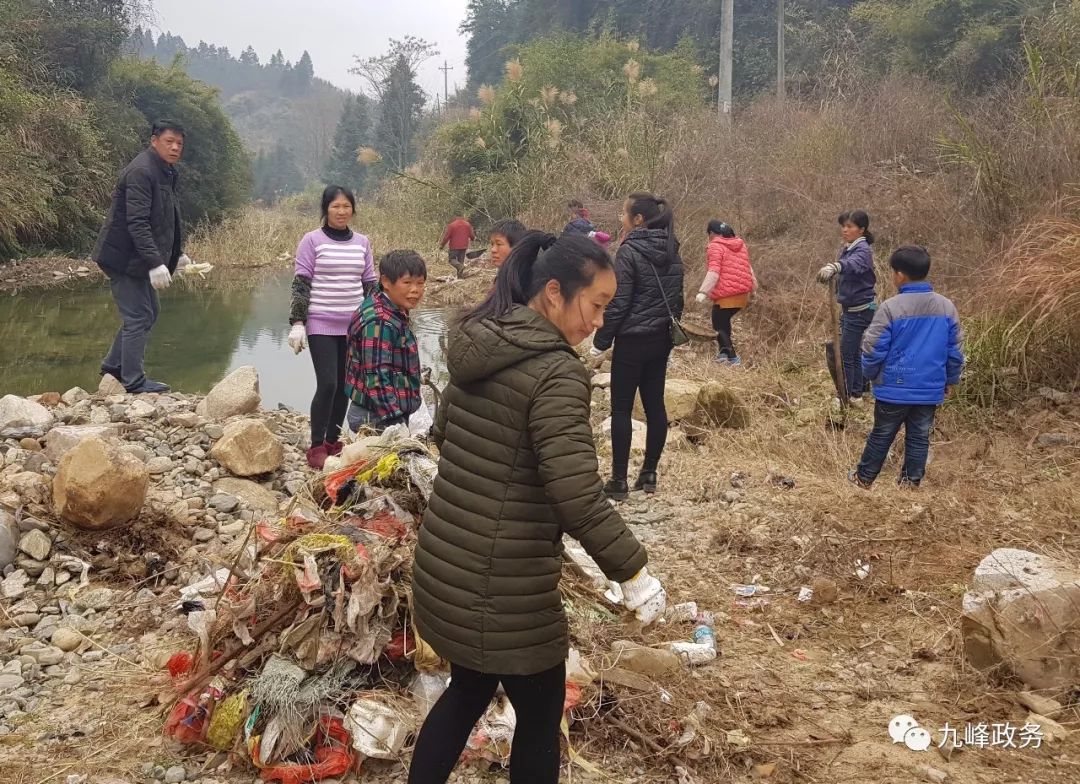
{"type": "Point", "coordinates": [888, 419]}
{"type": "Point", "coordinates": [852, 327]}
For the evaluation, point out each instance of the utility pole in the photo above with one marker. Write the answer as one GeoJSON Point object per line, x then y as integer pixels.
{"type": "Point", "coordinates": [727, 48]}
{"type": "Point", "coordinates": [781, 65]}
{"type": "Point", "coordinates": [446, 69]}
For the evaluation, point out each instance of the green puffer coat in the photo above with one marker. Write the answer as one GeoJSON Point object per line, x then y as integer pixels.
{"type": "Point", "coordinates": [517, 470]}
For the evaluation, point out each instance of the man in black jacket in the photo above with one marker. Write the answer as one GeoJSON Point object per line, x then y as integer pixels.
{"type": "Point", "coordinates": [140, 249]}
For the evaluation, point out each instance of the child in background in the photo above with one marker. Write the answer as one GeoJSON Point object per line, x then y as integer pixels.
{"type": "Point", "coordinates": [855, 293]}
{"type": "Point", "coordinates": [382, 377]}
{"type": "Point", "coordinates": [581, 224]}
{"type": "Point", "coordinates": [728, 283]}
{"type": "Point", "coordinates": [502, 237]}
{"type": "Point", "coordinates": [912, 352]}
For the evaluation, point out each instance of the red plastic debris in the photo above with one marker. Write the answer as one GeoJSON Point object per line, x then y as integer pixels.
{"type": "Point", "coordinates": [339, 479]}
{"type": "Point", "coordinates": [383, 524]}
{"type": "Point", "coordinates": [333, 756]}
{"type": "Point", "coordinates": [180, 664]}
{"type": "Point", "coordinates": [399, 646]}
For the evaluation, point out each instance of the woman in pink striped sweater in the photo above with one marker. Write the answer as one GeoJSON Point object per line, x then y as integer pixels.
{"type": "Point", "coordinates": [335, 271]}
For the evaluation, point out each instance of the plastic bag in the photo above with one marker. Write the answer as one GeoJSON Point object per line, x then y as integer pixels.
{"type": "Point", "coordinates": [426, 689]}
{"type": "Point", "coordinates": [333, 757]}
{"type": "Point", "coordinates": [377, 731]}
{"type": "Point", "coordinates": [420, 422]}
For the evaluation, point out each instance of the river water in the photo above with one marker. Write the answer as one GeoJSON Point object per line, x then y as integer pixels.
{"type": "Point", "coordinates": [52, 340]}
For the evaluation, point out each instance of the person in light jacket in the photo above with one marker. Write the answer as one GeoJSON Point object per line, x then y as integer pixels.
{"type": "Point", "coordinates": [728, 284]}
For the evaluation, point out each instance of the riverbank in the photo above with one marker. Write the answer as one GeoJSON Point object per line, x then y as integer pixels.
{"type": "Point", "coordinates": [807, 688]}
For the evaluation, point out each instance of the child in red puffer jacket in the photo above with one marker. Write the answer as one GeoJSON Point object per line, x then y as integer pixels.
{"type": "Point", "coordinates": [728, 283]}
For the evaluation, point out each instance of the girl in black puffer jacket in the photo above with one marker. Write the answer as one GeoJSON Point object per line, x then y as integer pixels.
{"type": "Point", "coordinates": [638, 322]}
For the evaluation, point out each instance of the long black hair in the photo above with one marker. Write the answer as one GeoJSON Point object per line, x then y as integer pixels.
{"type": "Point", "coordinates": [332, 192]}
{"type": "Point", "coordinates": [537, 258]}
{"type": "Point", "coordinates": [858, 218]}
{"type": "Point", "coordinates": [657, 215]}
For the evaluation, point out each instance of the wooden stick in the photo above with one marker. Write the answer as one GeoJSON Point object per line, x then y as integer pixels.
{"type": "Point", "coordinates": [216, 665]}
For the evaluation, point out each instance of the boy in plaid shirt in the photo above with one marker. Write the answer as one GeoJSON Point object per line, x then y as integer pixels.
{"type": "Point", "coordinates": [382, 375]}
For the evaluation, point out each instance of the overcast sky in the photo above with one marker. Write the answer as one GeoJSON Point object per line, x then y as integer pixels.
{"type": "Point", "coordinates": [332, 31]}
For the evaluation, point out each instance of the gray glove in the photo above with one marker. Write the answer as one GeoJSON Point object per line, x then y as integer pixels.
{"type": "Point", "coordinates": [828, 272]}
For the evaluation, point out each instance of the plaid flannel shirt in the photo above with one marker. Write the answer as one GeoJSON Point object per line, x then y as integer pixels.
{"type": "Point", "coordinates": [382, 373]}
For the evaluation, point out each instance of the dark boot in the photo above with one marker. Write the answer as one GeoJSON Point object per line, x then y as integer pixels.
{"type": "Point", "coordinates": [617, 489]}
{"type": "Point", "coordinates": [646, 481]}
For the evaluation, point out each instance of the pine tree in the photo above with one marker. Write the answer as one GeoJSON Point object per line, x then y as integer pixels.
{"type": "Point", "coordinates": [249, 57]}
{"type": "Point", "coordinates": [277, 60]}
{"type": "Point", "coordinates": [400, 110]}
{"type": "Point", "coordinates": [343, 168]}
{"type": "Point", "coordinates": [305, 72]}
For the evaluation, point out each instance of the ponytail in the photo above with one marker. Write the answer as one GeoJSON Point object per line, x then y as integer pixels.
{"type": "Point", "coordinates": [536, 259]}
{"type": "Point", "coordinates": [657, 215]}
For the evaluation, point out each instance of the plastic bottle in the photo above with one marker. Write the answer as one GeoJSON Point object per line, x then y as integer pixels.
{"type": "Point", "coordinates": [704, 635]}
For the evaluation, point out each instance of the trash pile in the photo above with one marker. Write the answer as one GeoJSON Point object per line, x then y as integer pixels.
{"type": "Point", "coordinates": [305, 661]}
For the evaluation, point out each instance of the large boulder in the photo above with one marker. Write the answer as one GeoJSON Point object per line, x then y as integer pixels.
{"type": "Point", "coordinates": [237, 393]}
{"type": "Point", "coordinates": [680, 399]}
{"type": "Point", "coordinates": [22, 418]}
{"type": "Point", "coordinates": [63, 438]}
{"type": "Point", "coordinates": [1020, 615]}
{"type": "Point", "coordinates": [254, 495]}
{"type": "Point", "coordinates": [98, 487]}
{"type": "Point", "coordinates": [638, 432]}
{"type": "Point", "coordinates": [248, 448]}
{"type": "Point", "coordinates": [718, 406]}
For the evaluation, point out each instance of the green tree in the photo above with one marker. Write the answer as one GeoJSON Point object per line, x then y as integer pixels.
{"type": "Point", "coordinates": [216, 171]}
{"type": "Point", "coordinates": [276, 175]}
{"type": "Point", "coordinates": [491, 26]}
{"type": "Point", "coordinates": [392, 79]}
{"type": "Point", "coordinates": [249, 57]}
{"type": "Point", "coordinates": [352, 133]}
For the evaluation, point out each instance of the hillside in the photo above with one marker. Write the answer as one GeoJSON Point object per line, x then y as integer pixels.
{"type": "Point", "coordinates": [280, 109]}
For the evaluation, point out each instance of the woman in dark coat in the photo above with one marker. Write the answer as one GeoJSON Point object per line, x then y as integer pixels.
{"type": "Point", "coordinates": [518, 470]}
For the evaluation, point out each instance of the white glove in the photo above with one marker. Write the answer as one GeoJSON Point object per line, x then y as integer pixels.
{"type": "Point", "coordinates": [828, 272]}
{"type": "Point", "coordinates": [701, 297]}
{"type": "Point", "coordinates": [298, 338]}
{"type": "Point", "coordinates": [182, 262]}
{"type": "Point", "coordinates": [645, 596]}
{"type": "Point", "coordinates": [595, 352]}
{"type": "Point", "coordinates": [160, 277]}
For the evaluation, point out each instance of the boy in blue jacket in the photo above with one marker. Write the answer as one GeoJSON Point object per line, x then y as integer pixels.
{"type": "Point", "coordinates": [912, 353]}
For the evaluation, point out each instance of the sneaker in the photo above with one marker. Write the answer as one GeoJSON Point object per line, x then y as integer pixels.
{"type": "Point", "coordinates": [723, 359]}
{"type": "Point", "coordinates": [148, 387]}
{"type": "Point", "coordinates": [858, 481]}
{"type": "Point", "coordinates": [907, 484]}
{"type": "Point", "coordinates": [316, 457]}
{"type": "Point", "coordinates": [617, 489]}
{"type": "Point", "coordinates": [735, 362]}
{"type": "Point", "coordinates": [333, 448]}
{"type": "Point", "coordinates": [646, 481]}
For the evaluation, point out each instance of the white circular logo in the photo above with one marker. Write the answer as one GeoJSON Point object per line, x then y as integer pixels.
{"type": "Point", "coordinates": [917, 739]}
{"type": "Point", "coordinates": [899, 727]}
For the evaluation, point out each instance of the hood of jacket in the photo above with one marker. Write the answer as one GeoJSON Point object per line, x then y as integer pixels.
{"type": "Point", "coordinates": [652, 244]}
{"type": "Point", "coordinates": [734, 244]}
{"type": "Point", "coordinates": [479, 349]}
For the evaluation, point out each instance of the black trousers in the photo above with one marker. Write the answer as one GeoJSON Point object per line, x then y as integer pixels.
{"type": "Point", "coordinates": [538, 703]}
{"type": "Point", "coordinates": [721, 322]}
{"type": "Point", "coordinates": [638, 364]}
{"type": "Point", "coordinates": [330, 402]}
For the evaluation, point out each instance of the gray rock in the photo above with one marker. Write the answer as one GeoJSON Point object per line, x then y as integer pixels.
{"type": "Point", "coordinates": [110, 386]}
{"type": "Point", "coordinates": [44, 655]}
{"type": "Point", "coordinates": [237, 393]}
{"type": "Point", "coordinates": [224, 502]}
{"type": "Point", "coordinates": [94, 599]}
{"type": "Point", "coordinates": [36, 544]}
{"type": "Point", "coordinates": [74, 396]}
{"type": "Point", "coordinates": [9, 537]}
{"type": "Point", "coordinates": [214, 431]}
{"type": "Point", "coordinates": [22, 418]}
{"type": "Point", "coordinates": [203, 534]}
{"type": "Point", "coordinates": [159, 465]}
{"type": "Point", "coordinates": [141, 409]}
{"type": "Point", "coordinates": [252, 494]}
{"type": "Point", "coordinates": [9, 683]}
{"type": "Point", "coordinates": [14, 585]}
{"type": "Point", "coordinates": [73, 677]}
{"type": "Point", "coordinates": [136, 451]}
{"type": "Point", "coordinates": [32, 566]}
{"type": "Point", "coordinates": [186, 420]}
{"type": "Point", "coordinates": [63, 438]}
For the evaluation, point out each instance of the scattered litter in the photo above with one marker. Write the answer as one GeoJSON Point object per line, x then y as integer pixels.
{"type": "Point", "coordinates": [806, 593]}
{"type": "Point", "coordinates": [746, 591]}
{"type": "Point", "coordinates": [687, 611]}
{"type": "Point", "coordinates": [378, 731]}
{"type": "Point", "coordinates": [738, 739]}
{"type": "Point", "coordinates": [862, 569]}
{"type": "Point", "coordinates": [800, 654]}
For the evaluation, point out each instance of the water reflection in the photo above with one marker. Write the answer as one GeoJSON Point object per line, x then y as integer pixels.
{"type": "Point", "coordinates": [54, 340]}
